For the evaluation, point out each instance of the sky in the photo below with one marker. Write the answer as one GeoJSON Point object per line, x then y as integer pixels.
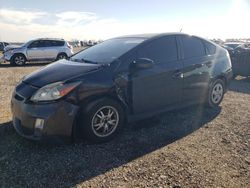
{"type": "Point", "coordinates": [22, 20]}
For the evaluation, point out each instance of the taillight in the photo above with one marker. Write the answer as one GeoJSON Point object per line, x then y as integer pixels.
{"type": "Point", "coordinates": [69, 46]}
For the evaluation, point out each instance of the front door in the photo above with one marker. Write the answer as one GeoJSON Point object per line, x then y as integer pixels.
{"type": "Point", "coordinates": [35, 50]}
{"type": "Point", "coordinates": [160, 86]}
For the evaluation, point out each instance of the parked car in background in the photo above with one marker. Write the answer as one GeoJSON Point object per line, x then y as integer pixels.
{"type": "Point", "coordinates": [3, 45]}
{"type": "Point", "coordinates": [240, 57]}
{"type": "Point", "coordinates": [44, 49]}
{"type": "Point", "coordinates": [75, 43]}
{"type": "Point", "coordinates": [120, 80]}
{"type": "Point", "coordinates": [232, 46]}
{"type": "Point", "coordinates": [241, 61]}
{"type": "Point", "coordinates": [91, 43]}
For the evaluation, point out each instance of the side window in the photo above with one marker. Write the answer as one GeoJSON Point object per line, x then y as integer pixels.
{"type": "Point", "coordinates": [60, 43]}
{"type": "Point", "coordinates": [210, 48]}
{"type": "Point", "coordinates": [34, 44]}
{"type": "Point", "coordinates": [53, 43]}
{"type": "Point", "coordinates": [161, 50]}
{"type": "Point", "coordinates": [57, 43]}
{"type": "Point", "coordinates": [46, 43]}
{"type": "Point", "coordinates": [192, 47]}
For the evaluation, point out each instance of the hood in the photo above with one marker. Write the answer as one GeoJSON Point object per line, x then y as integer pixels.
{"type": "Point", "coordinates": [11, 47]}
{"type": "Point", "coordinates": [61, 70]}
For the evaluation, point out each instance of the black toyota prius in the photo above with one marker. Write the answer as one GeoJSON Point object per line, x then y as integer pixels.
{"type": "Point", "coordinates": [97, 91]}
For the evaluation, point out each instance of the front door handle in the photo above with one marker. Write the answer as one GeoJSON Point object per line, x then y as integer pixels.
{"type": "Point", "coordinates": [209, 64]}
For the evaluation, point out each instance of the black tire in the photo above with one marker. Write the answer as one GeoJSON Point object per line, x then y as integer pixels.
{"type": "Point", "coordinates": [234, 76]}
{"type": "Point", "coordinates": [18, 60]}
{"type": "Point", "coordinates": [61, 56]}
{"type": "Point", "coordinates": [215, 95]}
{"type": "Point", "coordinates": [90, 121]}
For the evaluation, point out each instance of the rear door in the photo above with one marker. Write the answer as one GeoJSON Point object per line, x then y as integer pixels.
{"type": "Point", "coordinates": [196, 71]}
{"type": "Point", "coordinates": [53, 48]}
{"type": "Point", "coordinates": [158, 87]}
{"type": "Point", "coordinates": [35, 50]}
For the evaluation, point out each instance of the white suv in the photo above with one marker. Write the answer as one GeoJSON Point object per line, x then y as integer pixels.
{"type": "Point", "coordinates": [38, 50]}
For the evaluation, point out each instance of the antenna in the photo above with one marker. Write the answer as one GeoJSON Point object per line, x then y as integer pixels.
{"type": "Point", "coordinates": [181, 30]}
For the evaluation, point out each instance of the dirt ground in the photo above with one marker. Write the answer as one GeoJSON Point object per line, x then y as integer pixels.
{"type": "Point", "coordinates": [193, 147]}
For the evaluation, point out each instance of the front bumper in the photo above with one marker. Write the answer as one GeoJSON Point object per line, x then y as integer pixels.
{"type": "Point", "coordinates": [1, 59]}
{"type": "Point", "coordinates": [7, 56]}
{"type": "Point", "coordinates": [57, 119]}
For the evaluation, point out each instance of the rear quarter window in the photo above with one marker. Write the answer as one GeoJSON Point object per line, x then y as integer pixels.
{"type": "Point", "coordinates": [210, 48]}
{"type": "Point", "coordinates": [192, 47]}
{"type": "Point", "coordinates": [58, 43]}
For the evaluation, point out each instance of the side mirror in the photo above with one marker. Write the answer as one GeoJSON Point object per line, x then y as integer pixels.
{"type": "Point", "coordinates": [143, 63]}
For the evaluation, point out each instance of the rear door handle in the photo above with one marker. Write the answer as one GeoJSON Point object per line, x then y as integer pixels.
{"type": "Point", "coordinates": [178, 74]}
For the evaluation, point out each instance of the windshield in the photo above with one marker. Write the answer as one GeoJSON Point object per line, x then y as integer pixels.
{"type": "Point", "coordinates": [233, 46]}
{"type": "Point", "coordinates": [107, 51]}
{"type": "Point", "coordinates": [26, 44]}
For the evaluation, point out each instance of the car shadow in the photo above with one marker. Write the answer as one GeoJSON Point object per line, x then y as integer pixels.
{"type": "Point", "coordinates": [28, 64]}
{"type": "Point", "coordinates": [32, 164]}
{"type": "Point", "coordinates": [240, 84]}
{"type": "Point", "coordinates": [6, 128]}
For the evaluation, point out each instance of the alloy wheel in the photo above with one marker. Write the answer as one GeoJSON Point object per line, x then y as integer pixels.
{"type": "Point", "coordinates": [217, 93]}
{"type": "Point", "coordinates": [19, 60]}
{"type": "Point", "coordinates": [61, 56]}
{"type": "Point", "coordinates": [105, 121]}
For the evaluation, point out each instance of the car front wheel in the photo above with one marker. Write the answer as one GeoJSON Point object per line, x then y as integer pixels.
{"type": "Point", "coordinates": [216, 93]}
{"type": "Point", "coordinates": [101, 120]}
{"type": "Point", "coordinates": [18, 60]}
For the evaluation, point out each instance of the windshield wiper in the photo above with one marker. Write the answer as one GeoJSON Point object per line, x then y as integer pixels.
{"type": "Point", "coordinates": [84, 61]}
{"type": "Point", "coordinates": [89, 61]}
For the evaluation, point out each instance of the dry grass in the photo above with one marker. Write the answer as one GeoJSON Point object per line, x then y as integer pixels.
{"type": "Point", "coordinates": [9, 77]}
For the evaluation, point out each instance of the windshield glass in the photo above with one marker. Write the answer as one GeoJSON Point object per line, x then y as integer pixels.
{"type": "Point", "coordinates": [26, 44]}
{"type": "Point", "coordinates": [107, 51]}
{"type": "Point", "coordinates": [233, 45]}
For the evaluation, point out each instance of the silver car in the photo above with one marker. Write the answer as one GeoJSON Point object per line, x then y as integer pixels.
{"type": "Point", "coordinates": [38, 50]}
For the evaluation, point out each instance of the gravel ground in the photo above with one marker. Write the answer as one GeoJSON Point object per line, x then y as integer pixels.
{"type": "Point", "coordinates": [193, 147]}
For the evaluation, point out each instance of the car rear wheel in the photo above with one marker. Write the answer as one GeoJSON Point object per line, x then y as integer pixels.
{"type": "Point", "coordinates": [62, 56]}
{"type": "Point", "coordinates": [216, 93]}
{"type": "Point", "coordinates": [101, 120]}
{"type": "Point", "coordinates": [18, 60]}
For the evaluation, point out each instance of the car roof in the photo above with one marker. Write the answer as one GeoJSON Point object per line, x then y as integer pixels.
{"type": "Point", "coordinates": [157, 35]}
{"type": "Point", "coordinates": [151, 35]}
{"type": "Point", "coordinates": [58, 39]}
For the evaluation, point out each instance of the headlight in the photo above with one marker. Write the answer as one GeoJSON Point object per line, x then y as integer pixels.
{"type": "Point", "coordinates": [9, 51]}
{"type": "Point", "coordinates": [53, 91]}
